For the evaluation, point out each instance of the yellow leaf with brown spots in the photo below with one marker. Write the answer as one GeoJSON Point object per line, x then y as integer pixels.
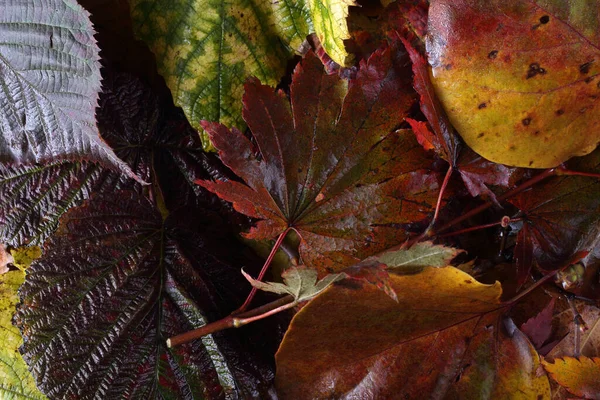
{"type": "Point", "coordinates": [519, 79]}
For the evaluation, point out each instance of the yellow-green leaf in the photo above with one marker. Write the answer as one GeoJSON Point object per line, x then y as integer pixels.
{"type": "Point", "coordinates": [205, 50]}
{"type": "Point", "coordinates": [15, 380]}
{"type": "Point", "coordinates": [519, 79]}
{"type": "Point", "coordinates": [327, 18]}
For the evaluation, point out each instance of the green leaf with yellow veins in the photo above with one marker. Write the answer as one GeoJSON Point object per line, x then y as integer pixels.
{"type": "Point", "coordinates": [15, 380]}
{"type": "Point", "coordinates": [205, 50]}
{"type": "Point", "coordinates": [294, 22]}
{"type": "Point", "coordinates": [519, 79]}
{"type": "Point", "coordinates": [327, 18]}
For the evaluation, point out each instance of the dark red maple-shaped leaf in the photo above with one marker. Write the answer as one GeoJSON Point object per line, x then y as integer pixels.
{"type": "Point", "coordinates": [561, 216]}
{"type": "Point", "coordinates": [331, 165]}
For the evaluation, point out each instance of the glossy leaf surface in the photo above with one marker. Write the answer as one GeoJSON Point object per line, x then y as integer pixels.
{"type": "Point", "coordinates": [50, 78]}
{"type": "Point", "coordinates": [580, 376]}
{"type": "Point", "coordinates": [205, 50]}
{"type": "Point", "coordinates": [330, 165]}
{"type": "Point", "coordinates": [114, 283]}
{"type": "Point", "coordinates": [444, 338]}
{"type": "Point", "coordinates": [518, 79]}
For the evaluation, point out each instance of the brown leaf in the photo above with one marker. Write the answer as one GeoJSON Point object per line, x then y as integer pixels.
{"type": "Point", "coordinates": [443, 338]}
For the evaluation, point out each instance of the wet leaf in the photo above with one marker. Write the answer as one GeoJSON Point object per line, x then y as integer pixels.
{"type": "Point", "coordinates": [300, 282]}
{"type": "Point", "coordinates": [518, 79]}
{"type": "Point", "coordinates": [51, 78]}
{"type": "Point", "coordinates": [114, 283]}
{"type": "Point", "coordinates": [205, 50]}
{"type": "Point", "coordinates": [580, 376]}
{"type": "Point", "coordinates": [330, 166]}
{"type": "Point", "coordinates": [444, 338]}
{"type": "Point", "coordinates": [15, 380]}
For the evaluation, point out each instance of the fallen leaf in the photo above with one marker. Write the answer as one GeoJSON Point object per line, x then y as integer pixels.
{"type": "Point", "coordinates": [518, 79]}
{"type": "Point", "coordinates": [51, 80]}
{"type": "Point", "coordinates": [296, 19]}
{"type": "Point", "coordinates": [442, 139]}
{"type": "Point", "coordinates": [114, 282]}
{"type": "Point", "coordinates": [561, 216]}
{"type": "Point", "coordinates": [539, 327]}
{"type": "Point", "coordinates": [16, 381]}
{"type": "Point", "coordinates": [443, 339]}
{"type": "Point", "coordinates": [206, 50]}
{"type": "Point", "coordinates": [574, 336]}
{"type": "Point", "coordinates": [580, 376]}
{"type": "Point", "coordinates": [300, 282]}
{"type": "Point", "coordinates": [5, 259]}
{"type": "Point", "coordinates": [420, 255]}
{"type": "Point", "coordinates": [331, 166]}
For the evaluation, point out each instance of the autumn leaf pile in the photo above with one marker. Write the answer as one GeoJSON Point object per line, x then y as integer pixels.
{"type": "Point", "coordinates": [299, 200]}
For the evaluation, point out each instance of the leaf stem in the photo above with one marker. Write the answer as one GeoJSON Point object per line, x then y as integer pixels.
{"type": "Point", "coordinates": [576, 258]}
{"type": "Point", "coordinates": [525, 185]}
{"type": "Point", "coordinates": [231, 321]}
{"type": "Point", "coordinates": [264, 269]}
{"type": "Point", "coordinates": [476, 228]}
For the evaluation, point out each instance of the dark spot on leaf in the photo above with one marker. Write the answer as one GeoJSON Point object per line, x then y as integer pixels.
{"type": "Point", "coordinates": [545, 19]}
{"type": "Point", "coordinates": [482, 105]}
{"type": "Point", "coordinates": [535, 69]}
{"type": "Point", "coordinates": [530, 163]}
{"type": "Point", "coordinates": [492, 54]}
{"type": "Point", "coordinates": [585, 68]}
{"type": "Point", "coordinates": [536, 133]}
{"type": "Point", "coordinates": [598, 85]}
{"type": "Point", "coordinates": [512, 147]}
{"type": "Point", "coordinates": [482, 134]}
{"type": "Point", "coordinates": [448, 67]}
{"type": "Point", "coordinates": [468, 281]}
{"type": "Point", "coordinates": [560, 111]}
{"type": "Point", "coordinates": [526, 121]}
{"type": "Point", "coordinates": [589, 79]}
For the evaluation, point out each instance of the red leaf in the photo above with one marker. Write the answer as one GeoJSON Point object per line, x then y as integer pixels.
{"type": "Point", "coordinates": [477, 173]}
{"type": "Point", "coordinates": [446, 143]}
{"type": "Point", "coordinates": [331, 165]}
{"type": "Point", "coordinates": [539, 328]}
